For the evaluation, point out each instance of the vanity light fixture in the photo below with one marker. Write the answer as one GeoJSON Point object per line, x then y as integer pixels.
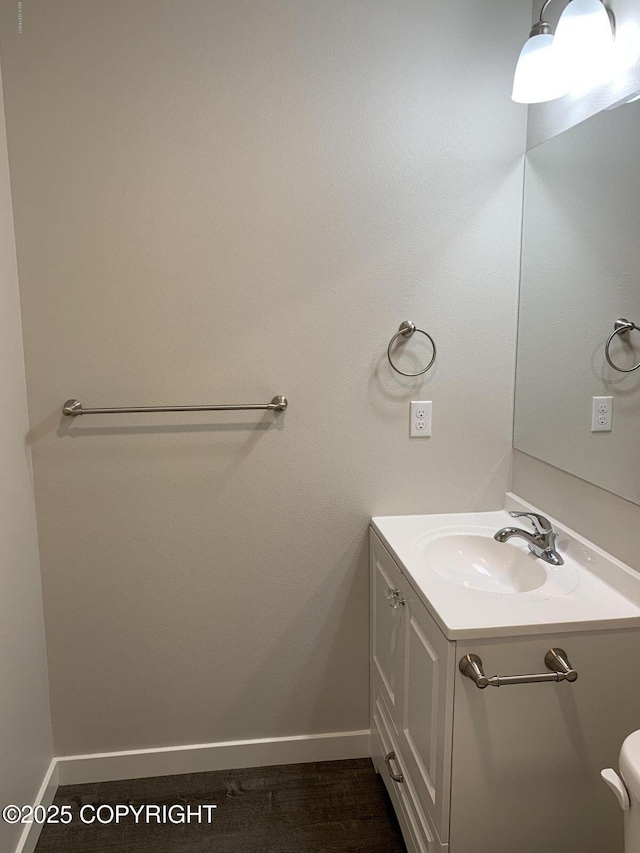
{"type": "Point", "coordinates": [583, 41]}
{"type": "Point", "coordinates": [550, 66]}
{"type": "Point", "coordinates": [538, 75]}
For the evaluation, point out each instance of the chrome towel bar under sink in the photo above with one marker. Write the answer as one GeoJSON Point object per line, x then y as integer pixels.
{"type": "Point", "coordinates": [556, 661]}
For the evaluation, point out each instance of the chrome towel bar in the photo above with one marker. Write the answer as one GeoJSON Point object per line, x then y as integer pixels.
{"type": "Point", "coordinates": [555, 660]}
{"type": "Point", "coordinates": [73, 408]}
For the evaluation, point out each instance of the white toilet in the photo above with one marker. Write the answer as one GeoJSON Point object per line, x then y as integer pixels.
{"type": "Point", "coordinates": [627, 790]}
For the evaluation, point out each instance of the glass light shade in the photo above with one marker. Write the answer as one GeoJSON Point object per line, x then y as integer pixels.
{"type": "Point", "coordinates": [583, 42]}
{"type": "Point", "coordinates": [538, 75]}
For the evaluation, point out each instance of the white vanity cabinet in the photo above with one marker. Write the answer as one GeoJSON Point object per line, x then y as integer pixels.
{"type": "Point", "coordinates": [495, 770]}
{"type": "Point", "coordinates": [412, 682]}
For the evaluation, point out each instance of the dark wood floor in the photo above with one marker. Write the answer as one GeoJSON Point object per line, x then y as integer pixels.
{"type": "Point", "coordinates": [327, 807]}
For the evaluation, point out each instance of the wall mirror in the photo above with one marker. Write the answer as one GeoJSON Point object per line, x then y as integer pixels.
{"type": "Point", "coordinates": [580, 274]}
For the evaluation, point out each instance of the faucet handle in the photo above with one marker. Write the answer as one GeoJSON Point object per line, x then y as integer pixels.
{"type": "Point", "coordinates": [541, 525]}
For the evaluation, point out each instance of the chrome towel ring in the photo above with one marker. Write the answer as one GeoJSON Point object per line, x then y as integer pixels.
{"type": "Point", "coordinates": [406, 330]}
{"type": "Point", "coordinates": [621, 327]}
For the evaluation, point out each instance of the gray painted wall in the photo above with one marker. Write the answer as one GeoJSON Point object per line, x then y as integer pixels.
{"type": "Point", "coordinates": [25, 722]}
{"type": "Point", "coordinates": [221, 201]}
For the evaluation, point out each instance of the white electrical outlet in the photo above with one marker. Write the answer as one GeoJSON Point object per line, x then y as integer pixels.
{"type": "Point", "coordinates": [420, 423]}
{"type": "Point", "coordinates": [601, 414]}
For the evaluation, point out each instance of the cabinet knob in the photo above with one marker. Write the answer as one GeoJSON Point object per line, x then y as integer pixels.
{"type": "Point", "coordinates": [393, 597]}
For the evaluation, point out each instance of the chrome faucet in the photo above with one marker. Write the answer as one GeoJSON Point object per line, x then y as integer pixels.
{"type": "Point", "coordinates": [542, 542]}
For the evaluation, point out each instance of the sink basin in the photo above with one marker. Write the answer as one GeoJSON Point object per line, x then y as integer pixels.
{"type": "Point", "coordinates": [471, 557]}
{"type": "Point", "coordinates": [479, 562]}
{"type": "Point", "coordinates": [476, 587]}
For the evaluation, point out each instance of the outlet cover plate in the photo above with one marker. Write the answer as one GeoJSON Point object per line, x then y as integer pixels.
{"type": "Point", "coordinates": [421, 417]}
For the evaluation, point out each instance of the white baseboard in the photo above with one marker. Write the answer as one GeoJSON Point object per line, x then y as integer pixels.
{"type": "Point", "coordinates": [47, 792]}
{"type": "Point", "coordinates": [199, 758]}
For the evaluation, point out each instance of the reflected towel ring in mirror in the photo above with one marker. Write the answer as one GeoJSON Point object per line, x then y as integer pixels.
{"type": "Point", "coordinates": [406, 330]}
{"type": "Point", "coordinates": [621, 327]}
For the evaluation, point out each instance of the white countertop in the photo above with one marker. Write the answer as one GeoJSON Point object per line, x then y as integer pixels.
{"type": "Point", "coordinates": [604, 592]}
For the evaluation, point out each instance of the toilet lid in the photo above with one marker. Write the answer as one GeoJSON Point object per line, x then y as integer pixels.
{"type": "Point", "coordinates": [630, 763]}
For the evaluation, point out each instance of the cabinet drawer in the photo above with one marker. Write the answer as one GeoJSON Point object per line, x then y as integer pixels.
{"type": "Point", "coordinates": [419, 835]}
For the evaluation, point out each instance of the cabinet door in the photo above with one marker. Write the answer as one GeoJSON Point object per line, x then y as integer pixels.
{"type": "Point", "coordinates": [427, 709]}
{"type": "Point", "coordinates": [386, 621]}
